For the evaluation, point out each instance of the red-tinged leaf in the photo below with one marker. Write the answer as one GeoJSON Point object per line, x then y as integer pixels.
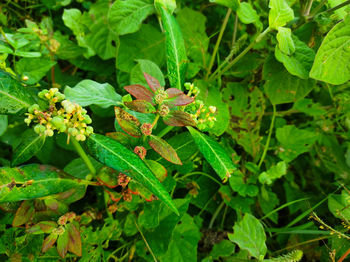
{"type": "Point", "coordinates": [108, 177]}
{"type": "Point", "coordinates": [177, 98]}
{"type": "Point", "coordinates": [49, 241]}
{"type": "Point", "coordinates": [42, 227]}
{"type": "Point", "coordinates": [158, 170]}
{"type": "Point", "coordinates": [121, 137]}
{"type": "Point", "coordinates": [62, 244]}
{"type": "Point", "coordinates": [74, 242]}
{"type": "Point", "coordinates": [140, 92]}
{"type": "Point", "coordinates": [141, 106]}
{"type": "Point", "coordinates": [152, 82]}
{"type": "Point", "coordinates": [179, 118]}
{"type": "Point", "coordinates": [164, 149]}
{"type": "Point", "coordinates": [23, 214]}
{"type": "Point", "coordinates": [128, 122]}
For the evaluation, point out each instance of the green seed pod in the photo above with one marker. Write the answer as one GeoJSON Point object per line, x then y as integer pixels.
{"type": "Point", "coordinates": [39, 129]}
{"type": "Point", "coordinates": [43, 93]}
{"type": "Point", "coordinates": [89, 130]}
{"type": "Point", "coordinates": [48, 132]}
{"type": "Point", "coordinates": [33, 107]}
{"type": "Point", "coordinates": [27, 121]}
{"type": "Point", "coordinates": [87, 119]}
{"type": "Point", "coordinates": [73, 131]}
{"type": "Point", "coordinates": [80, 137]}
{"type": "Point", "coordinates": [58, 122]}
{"type": "Point", "coordinates": [63, 128]}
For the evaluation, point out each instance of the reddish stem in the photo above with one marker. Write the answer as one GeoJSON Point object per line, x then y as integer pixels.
{"type": "Point", "coordinates": [344, 256]}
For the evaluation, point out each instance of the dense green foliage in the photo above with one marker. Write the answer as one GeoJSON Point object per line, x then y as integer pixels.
{"type": "Point", "coordinates": [140, 130]}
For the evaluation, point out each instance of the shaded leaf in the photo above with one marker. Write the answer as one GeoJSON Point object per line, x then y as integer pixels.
{"type": "Point", "coordinates": [233, 4]}
{"type": "Point", "coordinates": [157, 169]}
{"type": "Point", "coordinates": [49, 241]}
{"type": "Point", "coordinates": [62, 244]}
{"type": "Point", "coordinates": [164, 149]}
{"type": "Point", "coordinates": [129, 123]}
{"type": "Point", "coordinates": [33, 68]}
{"type": "Point", "coordinates": [145, 66]}
{"type": "Point", "coordinates": [114, 155]}
{"type": "Point", "coordinates": [152, 82]}
{"type": "Point", "coordinates": [179, 118]}
{"type": "Point", "coordinates": [273, 173]}
{"type": "Point", "coordinates": [74, 242]}
{"type": "Point", "coordinates": [23, 214]}
{"type": "Point", "coordinates": [42, 227]}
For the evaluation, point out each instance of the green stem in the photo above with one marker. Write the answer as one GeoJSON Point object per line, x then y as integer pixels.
{"type": "Point", "coordinates": [268, 137]}
{"type": "Point", "coordinates": [308, 8]}
{"type": "Point", "coordinates": [317, 8]}
{"type": "Point", "coordinates": [146, 243]}
{"type": "Point", "coordinates": [155, 121]}
{"type": "Point", "coordinates": [83, 156]}
{"type": "Point", "coordinates": [216, 213]}
{"type": "Point", "coordinates": [336, 7]}
{"type": "Point", "coordinates": [200, 173]}
{"type": "Point", "coordinates": [165, 131]}
{"type": "Point", "coordinates": [234, 36]}
{"type": "Point", "coordinates": [220, 71]}
{"type": "Point", "coordinates": [218, 41]}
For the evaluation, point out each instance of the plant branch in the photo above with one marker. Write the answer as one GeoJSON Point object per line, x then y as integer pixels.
{"type": "Point", "coordinates": [268, 137]}
{"type": "Point", "coordinates": [216, 213]}
{"type": "Point", "coordinates": [344, 256]}
{"type": "Point", "coordinates": [234, 36]}
{"type": "Point", "coordinates": [220, 71]}
{"type": "Point", "coordinates": [146, 243]}
{"type": "Point", "coordinates": [218, 41]}
{"type": "Point", "coordinates": [317, 8]}
{"type": "Point", "coordinates": [308, 9]}
{"type": "Point", "coordinates": [83, 156]}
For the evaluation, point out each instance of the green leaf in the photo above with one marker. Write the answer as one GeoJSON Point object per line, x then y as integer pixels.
{"type": "Point", "coordinates": [175, 50]}
{"type": "Point", "coordinates": [184, 241]}
{"type": "Point", "coordinates": [23, 214]}
{"type": "Point", "coordinates": [300, 62]}
{"type": "Point", "coordinates": [247, 14]}
{"type": "Point", "coordinates": [62, 244]}
{"type": "Point", "coordinates": [74, 242]}
{"type": "Point", "coordinates": [285, 41]}
{"type": "Point", "coordinates": [164, 149]}
{"type": "Point", "coordinates": [214, 153]}
{"type": "Point", "coordinates": [291, 89]}
{"type": "Point", "coordinates": [280, 13]}
{"type": "Point", "coordinates": [238, 184]}
{"type": "Point", "coordinates": [114, 155]}
{"type": "Point", "coordinates": [34, 68]}
{"type": "Point", "coordinates": [192, 24]}
{"type": "Point", "coordinates": [14, 98]}
{"type": "Point", "coordinates": [129, 123]}
{"type": "Point", "coordinates": [169, 5]}
{"type": "Point", "coordinates": [3, 124]}
{"type": "Point", "coordinates": [126, 17]}
{"type": "Point", "coordinates": [225, 248]}
{"type": "Point", "coordinates": [5, 49]}
{"type": "Point", "coordinates": [249, 235]}
{"type": "Point", "coordinates": [27, 54]}
{"type": "Point", "coordinates": [273, 173]}
{"type": "Point", "coordinates": [233, 4]}
{"type": "Point", "coordinates": [338, 204]}
{"type": "Point", "coordinates": [331, 62]}
{"type": "Point", "coordinates": [147, 43]}
{"type": "Point", "coordinates": [49, 241]}
{"type": "Point", "coordinates": [145, 66]}
{"type": "Point", "coordinates": [294, 141]}
{"type": "Point", "coordinates": [88, 92]}
{"type": "Point", "coordinates": [30, 145]}
{"type": "Point", "coordinates": [32, 181]}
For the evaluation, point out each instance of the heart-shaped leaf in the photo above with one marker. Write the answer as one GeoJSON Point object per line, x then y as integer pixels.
{"type": "Point", "coordinates": [214, 153]}
{"type": "Point", "coordinates": [113, 154]}
{"type": "Point", "coordinates": [164, 149]}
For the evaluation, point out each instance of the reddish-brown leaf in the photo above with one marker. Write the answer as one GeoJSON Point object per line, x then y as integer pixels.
{"type": "Point", "coordinates": [62, 244]}
{"type": "Point", "coordinates": [152, 82]}
{"type": "Point", "coordinates": [42, 227]}
{"type": "Point", "coordinates": [177, 98]}
{"type": "Point", "coordinates": [140, 92]}
{"type": "Point", "coordinates": [121, 137]}
{"type": "Point", "coordinates": [164, 149]}
{"type": "Point", "coordinates": [23, 214]}
{"type": "Point", "coordinates": [49, 241]}
{"type": "Point", "coordinates": [128, 122]}
{"type": "Point", "coordinates": [179, 118]}
{"type": "Point", "coordinates": [141, 106]}
{"type": "Point", "coordinates": [74, 242]}
{"type": "Point", "coordinates": [108, 177]}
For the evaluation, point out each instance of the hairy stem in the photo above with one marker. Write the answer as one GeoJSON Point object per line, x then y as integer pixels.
{"type": "Point", "coordinates": [268, 137]}
{"type": "Point", "coordinates": [83, 156]}
{"type": "Point", "coordinates": [218, 41]}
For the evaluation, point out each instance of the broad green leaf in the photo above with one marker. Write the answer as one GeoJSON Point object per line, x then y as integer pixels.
{"type": "Point", "coordinates": [268, 202]}
{"type": "Point", "coordinates": [157, 169]}
{"type": "Point", "coordinates": [23, 213]}
{"type": "Point", "coordinates": [233, 4]}
{"type": "Point", "coordinates": [169, 5]}
{"type": "Point", "coordinates": [249, 235]}
{"type": "Point", "coordinates": [242, 187]}
{"type": "Point", "coordinates": [280, 13]}
{"type": "Point", "coordinates": [3, 124]}
{"type": "Point", "coordinates": [27, 54]}
{"type": "Point", "coordinates": [30, 145]}
{"type": "Point", "coordinates": [332, 58]}
{"type": "Point", "coordinates": [32, 181]}
{"type": "Point", "coordinates": [62, 244]}
{"type": "Point", "coordinates": [211, 96]}
{"type": "Point", "coordinates": [175, 50]}
{"type": "Point", "coordinates": [300, 62]}
{"type": "Point", "coordinates": [291, 89]}
{"type": "Point", "coordinates": [126, 17]}
{"type": "Point", "coordinates": [164, 149]}
{"type": "Point", "coordinates": [273, 173]}
{"type": "Point", "coordinates": [145, 66]}
{"type": "Point", "coordinates": [285, 41]}
{"type": "Point", "coordinates": [192, 24]}
{"type": "Point", "coordinates": [14, 98]}
{"type": "Point", "coordinates": [184, 242]}
{"type": "Point", "coordinates": [294, 141]}
{"type": "Point", "coordinates": [214, 153]}
{"type": "Point", "coordinates": [5, 49]}
{"type": "Point", "coordinates": [225, 248]}
{"type": "Point", "coordinates": [114, 155]}
{"type": "Point", "coordinates": [339, 205]}
{"type": "Point", "coordinates": [74, 242]}
{"type": "Point", "coordinates": [49, 241]}
{"type": "Point", "coordinates": [33, 68]}
{"type": "Point", "coordinates": [247, 14]}
{"type": "Point", "coordinates": [88, 92]}
{"type": "Point", "coordinates": [341, 13]}
{"type": "Point", "coordinates": [68, 49]}
{"type": "Point", "coordinates": [147, 43]}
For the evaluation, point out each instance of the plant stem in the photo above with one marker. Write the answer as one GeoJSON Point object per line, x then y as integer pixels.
{"type": "Point", "coordinates": [317, 8]}
{"type": "Point", "coordinates": [155, 121]}
{"type": "Point", "coordinates": [234, 36]}
{"type": "Point", "coordinates": [203, 174]}
{"type": "Point", "coordinates": [216, 213]}
{"type": "Point", "coordinates": [268, 137]}
{"type": "Point", "coordinates": [146, 243]}
{"type": "Point", "coordinates": [219, 72]}
{"type": "Point", "coordinates": [344, 256]}
{"type": "Point", "coordinates": [308, 9]}
{"type": "Point", "coordinates": [165, 131]}
{"type": "Point", "coordinates": [218, 41]}
{"type": "Point", "coordinates": [337, 7]}
{"type": "Point", "coordinates": [83, 156]}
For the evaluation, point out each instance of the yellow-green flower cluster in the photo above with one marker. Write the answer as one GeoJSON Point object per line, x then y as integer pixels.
{"type": "Point", "coordinates": [61, 115]}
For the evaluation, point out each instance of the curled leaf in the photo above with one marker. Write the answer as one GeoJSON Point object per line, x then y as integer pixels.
{"type": "Point", "coordinates": [128, 122]}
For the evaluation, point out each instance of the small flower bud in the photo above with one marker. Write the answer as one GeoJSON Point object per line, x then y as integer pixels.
{"type": "Point", "coordinates": [48, 132]}
{"type": "Point", "coordinates": [58, 122]}
{"type": "Point", "coordinates": [163, 110]}
{"type": "Point", "coordinates": [39, 129]}
{"type": "Point", "coordinates": [146, 129]}
{"type": "Point", "coordinates": [27, 121]}
{"type": "Point", "coordinates": [33, 107]}
{"type": "Point", "coordinates": [87, 119]}
{"type": "Point", "coordinates": [80, 137]}
{"type": "Point", "coordinates": [25, 78]}
{"type": "Point", "coordinates": [73, 131]}
{"type": "Point", "coordinates": [160, 96]}
{"type": "Point", "coordinates": [43, 93]}
{"type": "Point", "coordinates": [187, 86]}
{"type": "Point", "coordinates": [89, 130]}
{"type": "Point", "coordinates": [140, 151]}
{"type": "Point", "coordinates": [212, 109]}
